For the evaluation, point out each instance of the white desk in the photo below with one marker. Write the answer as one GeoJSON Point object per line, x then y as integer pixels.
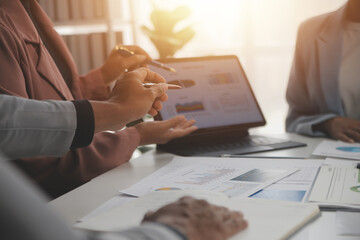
{"type": "Point", "coordinates": [85, 198]}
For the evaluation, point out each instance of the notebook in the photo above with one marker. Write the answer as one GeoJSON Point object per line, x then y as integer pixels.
{"type": "Point", "coordinates": [268, 219]}
{"type": "Point", "coordinates": [217, 94]}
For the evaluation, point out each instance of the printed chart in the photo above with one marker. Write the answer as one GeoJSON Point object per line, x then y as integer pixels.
{"type": "Point", "coordinates": [349, 149]}
{"type": "Point", "coordinates": [338, 149]}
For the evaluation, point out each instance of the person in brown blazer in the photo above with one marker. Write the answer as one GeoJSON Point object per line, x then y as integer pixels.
{"type": "Point", "coordinates": [36, 64]}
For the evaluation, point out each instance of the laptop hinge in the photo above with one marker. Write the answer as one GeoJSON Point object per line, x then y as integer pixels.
{"type": "Point", "coordinates": [204, 139]}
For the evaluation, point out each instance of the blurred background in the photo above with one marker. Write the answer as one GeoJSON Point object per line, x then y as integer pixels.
{"type": "Point", "coordinates": [262, 33]}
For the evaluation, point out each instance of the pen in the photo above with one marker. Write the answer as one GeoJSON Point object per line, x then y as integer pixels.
{"type": "Point", "coordinates": [127, 52]}
{"type": "Point", "coordinates": [170, 86]}
{"type": "Point", "coordinates": [271, 157]}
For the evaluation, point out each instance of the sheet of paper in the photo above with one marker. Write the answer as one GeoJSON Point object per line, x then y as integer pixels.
{"type": "Point", "coordinates": [340, 162]}
{"type": "Point", "coordinates": [233, 177]}
{"type": "Point", "coordinates": [338, 149]}
{"type": "Point", "coordinates": [112, 203]}
{"type": "Point", "coordinates": [295, 187]}
{"type": "Point", "coordinates": [337, 185]}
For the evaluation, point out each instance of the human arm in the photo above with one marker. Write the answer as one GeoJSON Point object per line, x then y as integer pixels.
{"type": "Point", "coordinates": [304, 92]}
{"type": "Point", "coordinates": [41, 125]}
{"type": "Point", "coordinates": [341, 128]}
{"type": "Point", "coordinates": [198, 219]}
{"type": "Point", "coordinates": [72, 124]}
{"type": "Point", "coordinates": [187, 218]}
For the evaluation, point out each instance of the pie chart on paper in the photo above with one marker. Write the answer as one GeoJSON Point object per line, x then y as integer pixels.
{"type": "Point", "coordinates": [355, 189]}
{"type": "Point", "coordinates": [167, 189]}
{"type": "Point", "coordinates": [349, 149]}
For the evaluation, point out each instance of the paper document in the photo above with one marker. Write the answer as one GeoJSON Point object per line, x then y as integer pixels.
{"type": "Point", "coordinates": [267, 219]}
{"type": "Point", "coordinates": [338, 149]}
{"type": "Point", "coordinates": [112, 203]}
{"type": "Point", "coordinates": [295, 187]}
{"type": "Point", "coordinates": [340, 162]}
{"type": "Point", "coordinates": [230, 176]}
{"type": "Point", "coordinates": [337, 185]}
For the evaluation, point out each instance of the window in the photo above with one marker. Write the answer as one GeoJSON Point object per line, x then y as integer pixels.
{"type": "Point", "coordinates": [261, 32]}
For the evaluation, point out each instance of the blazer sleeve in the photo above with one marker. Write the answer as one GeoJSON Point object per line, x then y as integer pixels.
{"type": "Point", "coordinates": [35, 128]}
{"type": "Point", "coordinates": [93, 86]}
{"type": "Point", "coordinates": [58, 175]}
{"type": "Point", "coordinates": [302, 114]}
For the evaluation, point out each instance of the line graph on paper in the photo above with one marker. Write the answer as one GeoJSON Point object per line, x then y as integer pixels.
{"type": "Point", "coordinates": [204, 175]}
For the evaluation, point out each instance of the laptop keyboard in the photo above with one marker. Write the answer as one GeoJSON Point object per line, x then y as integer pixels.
{"type": "Point", "coordinates": [248, 142]}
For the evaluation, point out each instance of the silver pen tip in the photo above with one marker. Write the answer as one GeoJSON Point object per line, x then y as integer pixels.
{"type": "Point", "coordinates": [172, 69]}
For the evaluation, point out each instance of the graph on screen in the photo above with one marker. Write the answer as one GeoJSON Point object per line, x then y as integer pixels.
{"type": "Point", "coordinates": [221, 79]}
{"type": "Point", "coordinates": [196, 106]}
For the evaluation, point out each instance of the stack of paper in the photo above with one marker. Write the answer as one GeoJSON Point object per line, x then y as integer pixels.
{"type": "Point", "coordinates": [234, 177]}
{"type": "Point", "coordinates": [337, 187]}
{"type": "Point", "coordinates": [338, 182]}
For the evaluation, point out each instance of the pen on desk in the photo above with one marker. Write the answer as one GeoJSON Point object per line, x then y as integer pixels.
{"type": "Point", "coordinates": [244, 156]}
{"type": "Point", "coordinates": [170, 86]}
{"type": "Point", "coordinates": [127, 52]}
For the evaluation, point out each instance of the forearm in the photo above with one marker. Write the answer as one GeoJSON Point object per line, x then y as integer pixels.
{"type": "Point", "coordinates": [109, 116]}
{"type": "Point", "coordinates": [307, 125]}
{"type": "Point", "coordinates": [59, 175]}
{"type": "Point", "coordinates": [93, 86]}
{"type": "Point", "coordinates": [38, 125]}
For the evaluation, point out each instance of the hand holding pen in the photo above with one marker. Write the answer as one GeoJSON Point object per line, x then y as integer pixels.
{"type": "Point", "coordinates": [126, 52]}
{"type": "Point", "coordinates": [116, 64]}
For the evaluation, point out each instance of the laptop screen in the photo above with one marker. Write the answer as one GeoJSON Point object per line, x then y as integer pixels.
{"type": "Point", "coordinates": [216, 92]}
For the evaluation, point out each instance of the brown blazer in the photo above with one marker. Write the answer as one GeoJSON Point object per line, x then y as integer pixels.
{"type": "Point", "coordinates": [35, 63]}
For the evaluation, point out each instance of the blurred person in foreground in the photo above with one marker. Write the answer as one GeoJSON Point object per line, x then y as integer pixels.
{"type": "Point", "coordinates": [23, 210]}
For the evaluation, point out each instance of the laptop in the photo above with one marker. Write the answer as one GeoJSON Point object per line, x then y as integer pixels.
{"type": "Point", "coordinates": [217, 94]}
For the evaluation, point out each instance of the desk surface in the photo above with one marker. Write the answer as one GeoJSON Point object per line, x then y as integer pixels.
{"type": "Point", "coordinates": [85, 198]}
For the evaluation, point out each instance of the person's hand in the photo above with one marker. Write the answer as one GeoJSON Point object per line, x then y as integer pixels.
{"type": "Point", "coordinates": [132, 95]}
{"type": "Point", "coordinates": [116, 64]}
{"type": "Point", "coordinates": [344, 129]}
{"type": "Point", "coordinates": [163, 131]}
{"type": "Point", "coordinates": [130, 100]}
{"type": "Point", "coordinates": [199, 220]}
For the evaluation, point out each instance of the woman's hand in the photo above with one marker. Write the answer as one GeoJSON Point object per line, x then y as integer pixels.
{"type": "Point", "coordinates": [344, 129]}
{"type": "Point", "coordinates": [130, 100]}
{"type": "Point", "coordinates": [117, 63]}
{"type": "Point", "coordinates": [163, 131]}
